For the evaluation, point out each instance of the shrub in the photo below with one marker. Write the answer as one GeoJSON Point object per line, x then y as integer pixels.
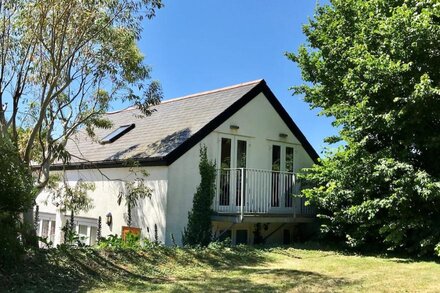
{"type": "Point", "coordinates": [199, 229]}
{"type": "Point", "coordinates": [437, 249]}
{"type": "Point", "coordinates": [132, 241]}
{"type": "Point", "coordinates": [16, 197]}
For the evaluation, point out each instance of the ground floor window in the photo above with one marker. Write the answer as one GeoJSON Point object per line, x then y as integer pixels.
{"type": "Point", "coordinates": [87, 234]}
{"type": "Point", "coordinates": [86, 228]}
{"type": "Point", "coordinates": [46, 228]}
{"type": "Point", "coordinates": [241, 237]}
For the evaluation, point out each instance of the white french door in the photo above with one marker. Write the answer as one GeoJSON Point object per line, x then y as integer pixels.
{"type": "Point", "coordinates": [234, 156]}
{"type": "Point", "coordinates": [283, 179]}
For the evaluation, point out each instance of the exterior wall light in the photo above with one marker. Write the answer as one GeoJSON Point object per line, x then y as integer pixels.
{"type": "Point", "coordinates": [234, 127]}
{"type": "Point", "coordinates": [109, 219]}
{"type": "Point", "coordinates": [283, 135]}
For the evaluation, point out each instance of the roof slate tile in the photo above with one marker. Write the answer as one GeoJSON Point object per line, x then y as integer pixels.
{"type": "Point", "coordinates": [155, 136]}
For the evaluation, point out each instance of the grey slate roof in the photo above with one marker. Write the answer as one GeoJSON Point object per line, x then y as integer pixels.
{"type": "Point", "coordinates": [155, 136]}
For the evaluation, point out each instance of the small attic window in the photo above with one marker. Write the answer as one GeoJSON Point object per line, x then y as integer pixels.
{"type": "Point", "coordinates": [117, 133]}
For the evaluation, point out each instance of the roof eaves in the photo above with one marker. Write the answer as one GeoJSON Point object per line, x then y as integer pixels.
{"type": "Point", "coordinates": [141, 162]}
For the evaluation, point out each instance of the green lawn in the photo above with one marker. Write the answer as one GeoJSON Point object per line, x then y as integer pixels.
{"type": "Point", "coordinates": [227, 270]}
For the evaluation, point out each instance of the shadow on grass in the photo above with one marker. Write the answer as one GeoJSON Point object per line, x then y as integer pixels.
{"type": "Point", "coordinates": [226, 269]}
{"type": "Point", "coordinates": [263, 280]}
{"type": "Point", "coordinates": [398, 257]}
{"type": "Point", "coordinates": [77, 270]}
{"type": "Point", "coordinates": [228, 257]}
{"type": "Point", "coordinates": [42, 271]}
{"type": "Point", "coordinates": [72, 270]}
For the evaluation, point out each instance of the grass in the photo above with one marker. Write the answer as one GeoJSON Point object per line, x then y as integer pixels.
{"type": "Point", "coordinates": [284, 269]}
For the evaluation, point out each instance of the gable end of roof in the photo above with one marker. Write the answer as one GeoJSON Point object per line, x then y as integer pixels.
{"type": "Point", "coordinates": [260, 87]}
{"type": "Point", "coordinates": [290, 123]}
{"type": "Point", "coordinates": [234, 108]}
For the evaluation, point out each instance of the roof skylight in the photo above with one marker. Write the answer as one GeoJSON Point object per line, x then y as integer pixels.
{"type": "Point", "coordinates": [117, 133]}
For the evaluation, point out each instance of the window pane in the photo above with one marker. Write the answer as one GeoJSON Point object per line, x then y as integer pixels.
{"type": "Point", "coordinates": [289, 159]}
{"type": "Point", "coordinates": [276, 157]}
{"type": "Point", "coordinates": [276, 164]}
{"type": "Point", "coordinates": [241, 237]}
{"type": "Point", "coordinates": [225, 153]}
{"type": "Point", "coordinates": [288, 178]}
{"type": "Point", "coordinates": [82, 230]}
{"type": "Point", "coordinates": [241, 163]}
{"type": "Point", "coordinates": [93, 235]}
{"type": "Point", "coordinates": [45, 228]}
{"type": "Point", "coordinates": [225, 163]}
{"type": "Point", "coordinates": [117, 133]}
{"type": "Point", "coordinates": [52, 231]}
{"type": "Point", "coordinates": [241, 153]}
{"type": "Point", "coordinates": [82, 233]}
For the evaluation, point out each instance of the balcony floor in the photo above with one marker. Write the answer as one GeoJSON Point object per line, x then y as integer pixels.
{"type": "Point", "coordinates": [262, 218]}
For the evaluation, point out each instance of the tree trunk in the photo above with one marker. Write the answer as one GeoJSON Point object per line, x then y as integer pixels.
{"type": "Point", "coordinates": [29, 234]}
{"type": "Point", "coordinates": [60, 221]}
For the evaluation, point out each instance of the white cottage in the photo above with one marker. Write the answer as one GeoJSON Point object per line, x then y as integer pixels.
{"type": "Point", "coordinates": [257, 147]}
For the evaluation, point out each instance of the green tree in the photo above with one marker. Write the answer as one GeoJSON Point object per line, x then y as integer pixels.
{"type": "Point", "coordinates": [62, 64]}
{"type": "Point", "coordinates": [373, 66]}
{"type": "Point", "coordinates": [199, 228]}
{"type": "Point", "coordinates": [132, 193]}
{"type": "Point", "coordinates": [16, 196]}
{"type": "Point", "coordinates": [67, 197]}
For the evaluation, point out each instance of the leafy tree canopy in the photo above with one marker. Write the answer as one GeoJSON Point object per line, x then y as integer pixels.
{"type": "Point", "coordinates": [63, 62]}
{"type": "Point", "coordinates": [373, 66]}
{"type": "Point", "coordinates": [16, 196]}
{"type": "Point", "coordinates": [16, 188]}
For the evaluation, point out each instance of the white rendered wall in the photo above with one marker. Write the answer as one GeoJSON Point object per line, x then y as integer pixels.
{"type": "Point", "coordinates": [149, 212]}
{"type": "Point", "coordinates": [260, 125]}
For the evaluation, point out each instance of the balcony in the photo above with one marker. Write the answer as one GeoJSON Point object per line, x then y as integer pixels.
{"type": "Point", "coordinates": [246, 194]}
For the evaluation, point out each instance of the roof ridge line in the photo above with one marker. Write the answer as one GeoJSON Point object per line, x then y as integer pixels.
{"type": "Point", "coordinates": [257, 81]}
{"type": "Point", "coordinates": [213, 91]}
{"type": "Point", "coordinates": [120, 110]}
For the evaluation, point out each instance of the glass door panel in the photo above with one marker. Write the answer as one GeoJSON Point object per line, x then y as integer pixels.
{"type": "Point", "coordinates": [276, 167]}
{"type": "Point", "coordinates": [288, 178]}
{"type": "Point", "coordinates": [241, 163]}
{"type": "Point", "coordinates": [225, 172]}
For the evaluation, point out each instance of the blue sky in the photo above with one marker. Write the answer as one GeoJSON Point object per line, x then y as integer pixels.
{"type": "Point", "coordinates": [197, 45]}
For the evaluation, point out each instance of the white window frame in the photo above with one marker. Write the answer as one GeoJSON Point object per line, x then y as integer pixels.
{"type": "Point", "coordinates": [52, 222]}
{"type": "Point", "coordinates": [283, 146]}
{"type": "Point", "coordinates": [234, 142]}
{"type": "Point", "coordinates": [234, 139]}
{"type": "Point", "coordinates": [89, 223]}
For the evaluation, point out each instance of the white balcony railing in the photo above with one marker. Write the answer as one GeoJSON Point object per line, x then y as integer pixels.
{"type": "Point", "coordinates": [253, 191]}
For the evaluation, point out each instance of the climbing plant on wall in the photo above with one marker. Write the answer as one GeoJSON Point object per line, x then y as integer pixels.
{"type": "Point", "coordinates": [199, 229]}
